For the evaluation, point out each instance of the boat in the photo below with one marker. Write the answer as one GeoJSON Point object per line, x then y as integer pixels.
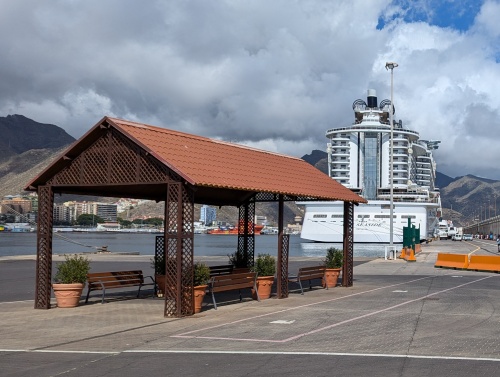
{"type": "Point", "coordinates": [233, 230]}
{"type": "Point", "coordinates": [359, 159]}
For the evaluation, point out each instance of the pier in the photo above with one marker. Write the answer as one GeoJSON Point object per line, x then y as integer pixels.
{"type": "Point", "coordinates": [488, 226]}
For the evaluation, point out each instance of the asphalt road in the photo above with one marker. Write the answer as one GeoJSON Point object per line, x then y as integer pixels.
{"type": "Point", "coordinates": [399, 319]}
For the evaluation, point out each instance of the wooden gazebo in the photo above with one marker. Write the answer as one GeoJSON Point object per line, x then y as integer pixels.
{"type": "Point", "coordinates": [118, 158]}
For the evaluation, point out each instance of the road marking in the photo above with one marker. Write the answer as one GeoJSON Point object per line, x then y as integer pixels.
{"type": "Point", "coordinates": [185, 335]}
{"type": "Point", "coordinates": [298, 336]}
{"type": "Point", "coordinates": [283, 322]}
{"type": "Point", "coordinates": [219, 352]}
{"type": "Point", "coordinates": [315, 354]}
{"type": "Point", "coordinates": [399, 291]}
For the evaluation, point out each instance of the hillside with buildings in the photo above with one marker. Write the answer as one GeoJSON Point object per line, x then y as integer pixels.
{"type": "Point", "coordinates": [29, 147]}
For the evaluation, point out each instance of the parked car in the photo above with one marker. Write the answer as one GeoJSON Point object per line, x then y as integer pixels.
{"type": "Point", "coordinates": [467, 237]}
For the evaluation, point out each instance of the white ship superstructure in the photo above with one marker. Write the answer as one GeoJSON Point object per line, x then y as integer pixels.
{"type": "Point", "coordinates": [359, 158]}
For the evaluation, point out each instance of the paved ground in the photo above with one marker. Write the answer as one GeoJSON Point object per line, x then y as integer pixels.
{"type": "Point", "coordinates": [399, 319]}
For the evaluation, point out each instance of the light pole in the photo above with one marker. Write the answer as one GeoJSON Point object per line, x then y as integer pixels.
{"type": "Point", "coordinates": [391, 66]}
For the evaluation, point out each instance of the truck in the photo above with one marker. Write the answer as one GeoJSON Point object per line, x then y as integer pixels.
{"type": "Point", "coordinates": [458, 234]}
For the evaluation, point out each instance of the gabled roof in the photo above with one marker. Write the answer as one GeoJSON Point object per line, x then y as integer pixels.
{"type": "Point", "coordinates": [216, 165]}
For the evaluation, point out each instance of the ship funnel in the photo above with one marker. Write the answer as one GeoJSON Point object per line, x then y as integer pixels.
{"type": "Point", "coordinates": [372, 98]}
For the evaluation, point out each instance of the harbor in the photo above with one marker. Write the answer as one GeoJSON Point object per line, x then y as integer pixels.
{"type": "Point", "coordinates": [16, 244]}
{"type": "Point", "coordinates": [399, 318]}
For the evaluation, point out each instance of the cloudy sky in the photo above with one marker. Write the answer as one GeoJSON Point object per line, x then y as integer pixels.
{"type": "Point", "coordinates": [270, 74]}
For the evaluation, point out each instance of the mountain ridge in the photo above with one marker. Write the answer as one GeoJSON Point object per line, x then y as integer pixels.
{"type": "Point", "coordinates": [463, 198]}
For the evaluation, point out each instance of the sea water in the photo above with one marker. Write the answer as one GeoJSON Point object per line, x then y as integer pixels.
{"type": "Point", "coordinates": [12, 244]}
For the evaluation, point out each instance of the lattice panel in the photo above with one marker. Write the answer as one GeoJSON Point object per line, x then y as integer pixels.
{"type": "Point", "coordinates": [159, 254]}
{"type": "Point", "coordinates": [283, 269]}
{"type": "Point", "coordinates": [113, 159]}
{"type": "Point", "coordinates": [172, 209]}
{"type": "Point", "coordinates": [70, 175]}
{"type": "Point", "coordinates": [179, 207]}
{"type": "Point", "coordinates": [171, 288]}
{"type": "Point", "coordinates": [123, 159]}
{"type": "Point", "coordinates": [187, 211]}
{"type": "Point", "coordinates": [246, 232]}
{"type": "Point", "coordinates": [95, 169]}
{"type": "Point", "coordinates": [44, 248]}
{"type": "Point", "coordinates": [265, 197]}
{"type": "Point", "coordinates": [348, 267]}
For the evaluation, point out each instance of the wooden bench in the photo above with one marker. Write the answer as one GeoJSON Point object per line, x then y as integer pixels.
{"type": "Point", "coordinates": [229, 282]}
{"type": "Point", "coordinates": [308, 273]}
{"type": "Point", "coordinates": [116, 279]}
{"type": "Point", "coordinates": [224, 269]}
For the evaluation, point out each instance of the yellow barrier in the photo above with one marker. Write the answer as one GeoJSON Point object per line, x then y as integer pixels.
{"type": "Point", "coordinates": [484, 263]}
{"type": "Point", "coordinates": [452, 260]}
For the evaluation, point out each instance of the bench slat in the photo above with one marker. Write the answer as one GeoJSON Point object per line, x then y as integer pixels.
{"type": "Point", "coordinates": [222, 283]}
{"type": "Point", "coordinates": [224, 269]}
{"type": "Point", "coordinates": [308, 273]}
{"type": "Point", "coordinates": [115, 279]}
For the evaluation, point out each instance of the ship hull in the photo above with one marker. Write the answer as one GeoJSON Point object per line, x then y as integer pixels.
{"type": "Point", "coordinates": [323, 221]}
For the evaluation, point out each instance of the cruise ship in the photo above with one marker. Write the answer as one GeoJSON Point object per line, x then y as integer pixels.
{"type": "Point", "coordinates": [359, 158]}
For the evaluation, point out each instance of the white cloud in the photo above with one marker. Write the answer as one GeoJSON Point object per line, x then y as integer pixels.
{"type": "Point", "coordinates": [274, 75]}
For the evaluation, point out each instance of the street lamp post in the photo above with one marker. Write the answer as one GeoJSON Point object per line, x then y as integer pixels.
{"type": "Point", "coordinates": [391, 66]}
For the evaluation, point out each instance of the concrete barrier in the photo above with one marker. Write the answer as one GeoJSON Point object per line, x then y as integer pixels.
{"type": "Point", "coordinates": [460, 261]}
{"type": "Point", "coordinates": [484, 263]}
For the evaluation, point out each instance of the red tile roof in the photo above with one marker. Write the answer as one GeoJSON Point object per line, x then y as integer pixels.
{"type": "Point", "coordinates": [213, 163]}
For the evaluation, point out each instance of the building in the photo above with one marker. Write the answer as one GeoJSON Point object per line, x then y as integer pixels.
{"type": "Point", "coordinates": [208, 215]}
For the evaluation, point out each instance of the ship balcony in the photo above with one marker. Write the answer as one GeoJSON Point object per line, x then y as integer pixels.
{"type": "Point", "coordinates": [341, 179]}
{"type": "Point", "coordinates": [340, 143]}
{"type": "Point", "coordinates": [423, 182]}
{"type": "Point", "coordinates": [340, 169]}
{"type": "Point", "coordinates": [342, 160]}
{"type": "Point", "coordinates": [340, 138]}
{"type": "Point", "coordinates": [400, 170]}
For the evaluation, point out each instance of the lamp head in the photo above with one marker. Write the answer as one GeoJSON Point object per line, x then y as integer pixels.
{"type": "Point", "coordinates": [390, 65]}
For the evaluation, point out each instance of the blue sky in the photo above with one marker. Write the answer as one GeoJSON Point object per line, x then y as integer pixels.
{"type": "Point", "coordinates": [273, 75]}
{"type": "Point", "coordinates": [455, 14]}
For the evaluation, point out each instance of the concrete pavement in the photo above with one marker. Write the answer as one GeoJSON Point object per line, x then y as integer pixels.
{"type": "Point", "coordinates": [399, 318]}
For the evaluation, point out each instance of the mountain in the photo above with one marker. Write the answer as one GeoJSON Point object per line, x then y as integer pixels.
{"type": "Point", "coordinates": [28, 147]}
{"type": "Point", "coordinates": [318, 159]}
{"type": "Point", "coordinates": [469, 197]}
{"type": "Point", "coordinates": [21, 134]}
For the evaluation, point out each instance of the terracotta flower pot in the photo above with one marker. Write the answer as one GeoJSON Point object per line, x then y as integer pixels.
{"type": "Point", "coordinates": [264, 285]}
{"type": "Point", "coordinates": [199, 295]}
{"type": "Point", "coordinates": [160, 282]}
{"type": "Point", "coordinates": [67, 295]}
{"type": "Point", "coordinates": [331, 277]}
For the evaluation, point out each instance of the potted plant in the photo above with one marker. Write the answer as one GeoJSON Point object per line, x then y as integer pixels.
{"type": "Point", "coordinates": [238, 261]}
{"type": "Point", "coordinates": [70, 279]}
{"type": "Point", "coordinates": [201, 277]}
{"type": "Point", "coordinates": [333, 262]}
{"type": "Point", "coordinates": [265, 267]}
{"type": "Point", "coordinates": [158, 265]}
